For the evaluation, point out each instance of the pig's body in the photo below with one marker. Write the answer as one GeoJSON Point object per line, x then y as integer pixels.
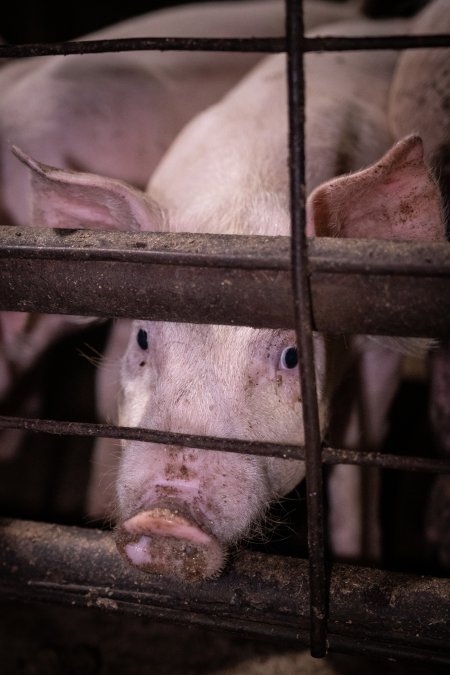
{"type": "Point", "coordinates": [420, 95]}
{"type": "Point", "coordinates": [115, 114]}
{"type": "Point", "coordinates": [420, 103]}
{"type": "Point", "coordinates": [179, 509]}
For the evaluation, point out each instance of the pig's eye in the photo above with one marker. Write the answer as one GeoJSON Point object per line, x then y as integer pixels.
{"type": "Point", "coordinates": [142, 339]}
{"type": "Point", "coordinates": [289, 358]}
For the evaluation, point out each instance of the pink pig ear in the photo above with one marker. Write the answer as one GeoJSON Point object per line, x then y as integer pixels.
{"type": "Point", "coordinates": [396, 198]}
{"type": "Point", "coordinates": [69, 199]}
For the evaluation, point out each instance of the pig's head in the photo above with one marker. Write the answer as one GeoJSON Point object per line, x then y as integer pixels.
{"type": "Point", "coordinates": [179, 508]}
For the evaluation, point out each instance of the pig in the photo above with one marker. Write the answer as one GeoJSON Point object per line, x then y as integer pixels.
{"type": "Point", "coordinates": [122, 111]}
{"type": "Point", "coordinates": [339, 154]}
{"type": "Point", "coordinates": [180, 510]}
{"type": "Point", "coordinates": [419, 98]}
{"type": "Point", "coordinates": [420, 103]}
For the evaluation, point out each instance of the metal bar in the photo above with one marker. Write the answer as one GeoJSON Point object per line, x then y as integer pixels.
{"type": "Point", "coordinates": [284, 451]}
{"type": "Point", "coordinates": [374, 256]}
{"type": "Point", "coordinates": [370, 42]}
{"type": "Point", "coordinates": [303, 326]}
{"type": "Point", "coordinates": [269, 45]}
{"type": "Point", "coordinates": [395, 288]}
{"type": "Point", "coordinates": [257, 595]}
{"type": "Point", "coordinates": [262, 45]}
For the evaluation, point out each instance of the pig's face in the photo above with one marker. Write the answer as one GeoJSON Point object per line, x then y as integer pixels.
{"type": "Point", "coordinates": [180, 508]}
{"type": "Point", "coordinates": [208, 380]}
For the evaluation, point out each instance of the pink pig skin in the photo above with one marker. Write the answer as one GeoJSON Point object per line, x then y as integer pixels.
{"type": "Point", "coordinates": [180, 509]}
{"type": "Point", "coordinates": [115, 114]}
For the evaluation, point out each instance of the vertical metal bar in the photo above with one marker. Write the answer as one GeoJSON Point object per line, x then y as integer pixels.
{"type": "Point", "coordinates": [314, 478]}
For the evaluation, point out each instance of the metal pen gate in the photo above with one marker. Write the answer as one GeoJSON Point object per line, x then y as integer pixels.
{"type": "Point", "coordinates": [341, 608]}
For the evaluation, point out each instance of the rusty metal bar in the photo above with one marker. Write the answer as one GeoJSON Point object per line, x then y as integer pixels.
{"type": "Point", "coordinates": [303, 326]}
{"type": "Point", "coordinates": [365, 43]}
{"type": "Point", "coordinates": [258, 594]}
{"type": "Point", "coordinates": [284, 451]}
{"type": "Point", "coordinates": [269, 45]}
{"type": "Point", "coordinates": [374, 256]}
{"type": "Point", "coordinates": [262, 45]}
{"type": "Point", "coordinates": [358, 286]}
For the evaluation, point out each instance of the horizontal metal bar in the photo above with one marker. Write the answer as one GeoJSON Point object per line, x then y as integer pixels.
{"type": "Point", "coordinates": [239, 251]}
{"type": "Point", "coordinates": [369, 609]}
{"type": "Point", "coordinates": [263, 45]}
{"type": "Point", "coordinates": [369, 42]}
{"type": "Point", "coordinates": [329, 455]}
{"type": "Point", "coordinates": [358, 286]}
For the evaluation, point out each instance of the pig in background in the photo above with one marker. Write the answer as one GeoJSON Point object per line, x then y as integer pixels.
{"type": "Point", "coordinates": [180, 509]}
{"type": "Point", "coordinates": [420, 103]}
{"type": "Point", "coordinates": [114, 114]}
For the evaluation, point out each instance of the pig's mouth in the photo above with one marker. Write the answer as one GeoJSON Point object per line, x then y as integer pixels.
{"type": "Point", "coordinates": [165, 541]}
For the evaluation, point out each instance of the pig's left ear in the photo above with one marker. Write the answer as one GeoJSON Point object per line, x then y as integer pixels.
{"type": "Point", "coordinates": [396, 198]}
{"type": "Point", "coordinates": [70, 199]}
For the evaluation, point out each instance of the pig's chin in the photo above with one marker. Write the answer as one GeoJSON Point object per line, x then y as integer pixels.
{"type": "Point", "coordinates": [166, 541]}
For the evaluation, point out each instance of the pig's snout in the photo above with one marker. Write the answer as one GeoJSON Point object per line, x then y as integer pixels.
{"type": "Point", "coordinates": [162, 540]}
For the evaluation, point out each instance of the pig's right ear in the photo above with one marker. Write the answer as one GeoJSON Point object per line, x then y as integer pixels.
{"type": "Point", "coordinates": [395, 198]}
{"type": "Point", "coordinates": [69, 199]}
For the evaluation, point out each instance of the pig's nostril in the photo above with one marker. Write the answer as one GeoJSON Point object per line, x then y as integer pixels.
{"type": "Point", "coordinates": [163, 541]}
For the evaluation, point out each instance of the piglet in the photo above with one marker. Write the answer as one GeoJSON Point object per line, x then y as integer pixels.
{"type": "Point", "coordinates": [180, 509]}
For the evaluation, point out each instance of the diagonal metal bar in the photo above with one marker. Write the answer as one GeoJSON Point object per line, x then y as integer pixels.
{"type": "Point", "coordinates": [303, 316]}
